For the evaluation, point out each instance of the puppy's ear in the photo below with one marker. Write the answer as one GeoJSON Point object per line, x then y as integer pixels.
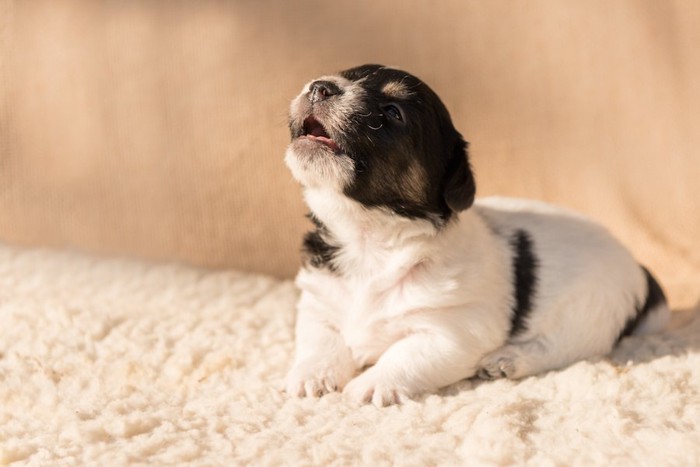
{"type": "Point", "coordinates": [460, 186]}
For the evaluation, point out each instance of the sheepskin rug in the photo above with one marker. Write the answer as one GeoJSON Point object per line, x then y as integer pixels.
{"type": "Point", "coordinates": [116, 362]}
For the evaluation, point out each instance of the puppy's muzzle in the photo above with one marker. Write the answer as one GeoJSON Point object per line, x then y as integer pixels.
{"type": "Point", "coordinates": [321, 90]}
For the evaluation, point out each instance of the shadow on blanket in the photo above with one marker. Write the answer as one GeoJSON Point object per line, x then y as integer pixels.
{"type": "Point", "coordinates": [681, 337]}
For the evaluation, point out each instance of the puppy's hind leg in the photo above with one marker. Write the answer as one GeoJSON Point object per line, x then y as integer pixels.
{"type": "Point", "coordinates": [518, 360]}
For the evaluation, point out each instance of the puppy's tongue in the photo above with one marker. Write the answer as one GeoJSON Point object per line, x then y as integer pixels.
{"type": "Point", "coordinates": [314, 130]}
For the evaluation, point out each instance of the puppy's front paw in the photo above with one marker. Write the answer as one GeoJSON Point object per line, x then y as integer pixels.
{"type": "Point", "coordinates": [372, 387]}
{"type": "Point", "coordinates": [316, 378]}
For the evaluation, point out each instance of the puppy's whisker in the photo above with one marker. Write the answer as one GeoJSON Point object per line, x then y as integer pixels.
{"type": "Point", "coordinates": [378, 128]}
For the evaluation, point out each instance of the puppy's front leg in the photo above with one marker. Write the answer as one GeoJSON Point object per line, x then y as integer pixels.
{"type": "Point", "coordinates": [323, 362]}
{"type": "Point", "coordinates": [421, 362]}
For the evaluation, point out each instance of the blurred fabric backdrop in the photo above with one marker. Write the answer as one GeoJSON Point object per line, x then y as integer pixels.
{"type": "Point", "coordinates": [157, 129]}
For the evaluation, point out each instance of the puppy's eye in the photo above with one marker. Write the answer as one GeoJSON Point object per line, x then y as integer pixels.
{"type": "Point", "coordinates": [393, 111]}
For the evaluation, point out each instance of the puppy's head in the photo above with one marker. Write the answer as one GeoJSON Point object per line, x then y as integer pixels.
{"type": "Point", "coordinates": [383, 138]}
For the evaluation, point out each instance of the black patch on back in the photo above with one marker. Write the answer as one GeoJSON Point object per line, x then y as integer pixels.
{"type": "Point", "coordinates": [524, 280]}
{"type": "Point", "coordinates": [655, 297]}
{"type": "Point", "coordinates": [318, 252]}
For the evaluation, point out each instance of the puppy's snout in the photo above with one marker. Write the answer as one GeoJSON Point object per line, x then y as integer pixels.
{"type": "Point", "coordinates": [321, 90]}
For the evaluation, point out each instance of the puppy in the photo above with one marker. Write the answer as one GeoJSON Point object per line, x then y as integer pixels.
{"type": "Point", "coordinates": [408, 285]}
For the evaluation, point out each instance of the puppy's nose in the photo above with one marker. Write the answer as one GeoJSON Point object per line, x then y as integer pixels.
{"type": "Point", "coordinates": [321, 90]}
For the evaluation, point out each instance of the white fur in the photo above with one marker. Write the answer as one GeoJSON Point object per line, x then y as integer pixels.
{"type": "Point", "coordinates": [428, 308]}
{"type": "Point", "coordinates": [317, 172]}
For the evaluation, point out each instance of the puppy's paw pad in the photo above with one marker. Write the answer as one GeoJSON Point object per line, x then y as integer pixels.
{"type": "Point", "coordinates": [496, 368]}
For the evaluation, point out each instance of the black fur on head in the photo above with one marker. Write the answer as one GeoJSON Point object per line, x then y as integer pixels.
{"type": "Point", "coordinates": [406, 154]}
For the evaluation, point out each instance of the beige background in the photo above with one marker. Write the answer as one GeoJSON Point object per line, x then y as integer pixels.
{"type": "Point", "coordinates": [157, 129]}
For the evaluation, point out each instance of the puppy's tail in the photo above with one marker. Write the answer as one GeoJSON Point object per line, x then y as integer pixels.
{"type": "Point", "coordinates": [653, 315]}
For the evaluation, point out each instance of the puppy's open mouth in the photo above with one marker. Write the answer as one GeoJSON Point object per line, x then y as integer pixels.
{"type": "Point", "coordinates": [314, 131]}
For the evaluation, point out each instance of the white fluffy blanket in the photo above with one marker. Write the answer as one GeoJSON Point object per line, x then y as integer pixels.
{"type": "Point", "coordinates": [113, 362]}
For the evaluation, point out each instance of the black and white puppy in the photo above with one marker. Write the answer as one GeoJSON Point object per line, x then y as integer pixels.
{"type": "Point", "coordinates": [408, 284]}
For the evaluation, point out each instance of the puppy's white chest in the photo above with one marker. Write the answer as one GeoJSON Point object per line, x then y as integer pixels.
{"type": "Point", "coordinates": [372, 321]}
